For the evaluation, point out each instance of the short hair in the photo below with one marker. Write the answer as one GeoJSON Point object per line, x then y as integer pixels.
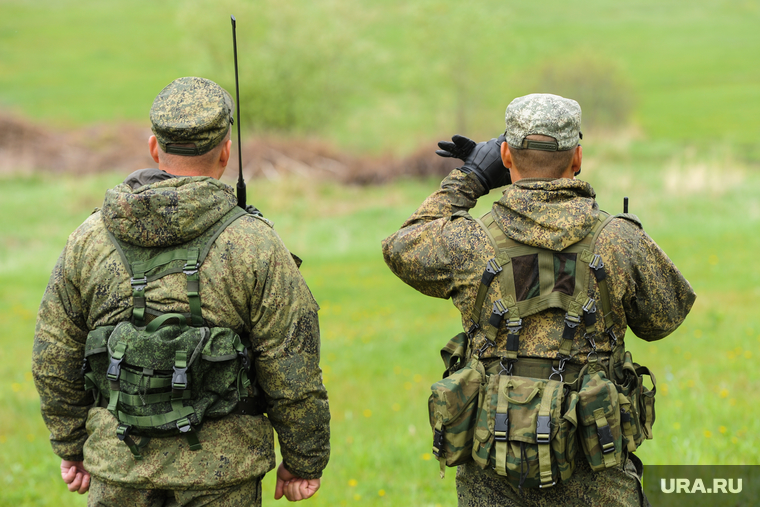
{"type": "Point", "coordinates": [199, 162]}
{"type": "Point", "coordinates": [541, 164]}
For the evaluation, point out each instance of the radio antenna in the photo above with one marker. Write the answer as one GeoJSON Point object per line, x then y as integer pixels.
{"type": "Point", "coordinates": [241, 183]}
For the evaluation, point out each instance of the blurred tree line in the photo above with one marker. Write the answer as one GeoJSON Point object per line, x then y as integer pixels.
{"type": "Point", "coordinates": [357, 71]}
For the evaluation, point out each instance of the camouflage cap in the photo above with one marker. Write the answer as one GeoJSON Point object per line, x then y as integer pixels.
{"type": "Point", "coordinates": [544, 114]}
{"type": "Point", "coordinates": [191, 111]}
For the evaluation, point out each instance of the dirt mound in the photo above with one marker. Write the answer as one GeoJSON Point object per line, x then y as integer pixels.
{"type": "Point", "coordinates": [27, 146]}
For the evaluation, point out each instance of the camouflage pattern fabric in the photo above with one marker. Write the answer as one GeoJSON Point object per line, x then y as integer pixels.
{"type": "Point", "coordinates": [444, 256]}
{"type": "Point", "coordinates": [103, 494]}
{"type": "Point", "coordinates": [543, 114]}
{"type": "Point", "coordinates": [616, 487]}
{"type": "Point", "coordinates": [191, 110]}
{"type": "Point", "coordinates": [249, 283]}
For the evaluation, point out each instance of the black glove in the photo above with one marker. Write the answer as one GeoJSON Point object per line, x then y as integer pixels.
{"type": "Point", "coordinates": [460, 148]}
{"type": "Point", "coordinates": [484, 161]}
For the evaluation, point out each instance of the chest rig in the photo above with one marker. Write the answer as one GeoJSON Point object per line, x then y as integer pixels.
{"type": "Point", "coordinates": [534, 279]}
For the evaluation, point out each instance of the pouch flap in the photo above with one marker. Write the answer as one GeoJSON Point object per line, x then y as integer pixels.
{"type": "Point", "coordinates": [452, 395]}
{"type": "Point", "coordinates": [597, 392]}
{"type": "Point", "coordinates": [97, 339]}
{"type": "Point", "coordinates": [222, 345]}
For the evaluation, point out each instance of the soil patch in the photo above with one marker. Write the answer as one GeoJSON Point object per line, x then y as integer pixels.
{"type": "Point", "coordinates": [27, 146]}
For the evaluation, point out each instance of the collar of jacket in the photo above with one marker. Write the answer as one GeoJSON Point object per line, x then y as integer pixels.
{"type": "Point", "coordinates": [167, 211]}
{"type": "Point", "coordinates": [546, 213]}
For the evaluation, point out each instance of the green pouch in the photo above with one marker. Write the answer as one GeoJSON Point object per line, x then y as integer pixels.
{"type": "Point", "coordinates": [599, 417]}
{"type": "Point", "coordinates": [646, 402]}
{"type": "Point", "coordinates": [488, 399]}
{"type": "Point", "coordinates": [565, 442]}
{"type": "Point", "coordinates": [159, 378]}
{"type": "Point", "coordinates": [453, 410]}
{"type": "Point", "coordinates": [530, 433]}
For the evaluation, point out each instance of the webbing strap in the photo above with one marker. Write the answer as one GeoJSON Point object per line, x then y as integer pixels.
{"type": "Point", "coordinates": [193, 286]}
{"type": "Point", "coordinates": [137, 400]}
{"type": "Point", "coordinates": [122, 433]}
{"type": "Point", "coordinates": [501, 427]}
{"type": "Point", "coordinates": [152, 421]}
{"type": "Point", "coordinates": [148, 382]}
{"type": "Point", "coordinates": [544, 434]}
{"type": "Point", "coordinates": [492, 269]}
{"type": "Point", "coordinates": [606, 441]}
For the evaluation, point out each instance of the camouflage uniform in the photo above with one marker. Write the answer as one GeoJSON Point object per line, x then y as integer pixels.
{"type": "Point", "coordinates": [249, 283]}
{"type": "Point", "coordinates": [444, 256]}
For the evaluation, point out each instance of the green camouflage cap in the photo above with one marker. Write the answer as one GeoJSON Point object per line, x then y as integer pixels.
{"type": "Point", "coordinates": [544, 114]}
{"type": "Point", "coordinates": [191, 111]}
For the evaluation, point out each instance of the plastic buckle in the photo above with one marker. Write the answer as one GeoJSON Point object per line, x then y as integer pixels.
{"type": "Point", "coordinates": [114, 369]}
{"type": "Point", "coordinates": [596, 263]}
{"type": "Point", "coordinates": [244, 359]}
{"type": "Point", "coordinates": [543, 429]}
{"type": "Point", "coordinates": [437, 442]}
{"type": "Point", "coordinates": [85, 367]}
{"type": "Point", "coordinates": [606, 441]}
{"type": "Point", "coordinates": [122, 431]}
{"type": "Point", "coordinates": [179, 379]}
{"type": "Point", "coordinates": [183, 425]}
{"type": "Point", "coordinates": [501, 427]}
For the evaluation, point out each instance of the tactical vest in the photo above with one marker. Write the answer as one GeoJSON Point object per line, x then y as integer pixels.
{"type": "Point", "coordinates": [525, 417]}
{"type": "Point", "coordinates": [162, 374]}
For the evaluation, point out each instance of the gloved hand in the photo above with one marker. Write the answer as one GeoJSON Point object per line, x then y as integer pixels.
{"type": "Point", "coordinates": [484, 161]}
{"type": "Point", "coordinates": [460, 148]}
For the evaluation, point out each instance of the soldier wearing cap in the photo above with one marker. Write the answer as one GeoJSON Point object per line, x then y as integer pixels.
{"type": "Point", "coordinates": [444, 252]}
{"type": "Point", "coordinates": [248, 282]}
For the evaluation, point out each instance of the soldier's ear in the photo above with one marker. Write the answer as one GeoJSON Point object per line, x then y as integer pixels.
{"type": "Point", "coordinates": [153, 147]}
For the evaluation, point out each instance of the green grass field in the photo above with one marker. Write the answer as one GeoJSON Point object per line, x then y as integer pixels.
{"type": "Point", "coordinates": [381, 338]}
{"type": "Point", "coordinates": [381, 77]}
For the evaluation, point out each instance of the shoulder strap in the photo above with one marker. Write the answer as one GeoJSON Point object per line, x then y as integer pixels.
{"type": "Point", "coordinates": [144, 266]}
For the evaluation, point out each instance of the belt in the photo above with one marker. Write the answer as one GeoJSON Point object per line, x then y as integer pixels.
{"type": "Point", "coordinates": [541, 368]}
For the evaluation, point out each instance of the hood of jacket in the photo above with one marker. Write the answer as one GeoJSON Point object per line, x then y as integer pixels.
{"type": "Point", "coordinates": [152, 208]}
{"type": "Point", "coordinates": [552, 214]}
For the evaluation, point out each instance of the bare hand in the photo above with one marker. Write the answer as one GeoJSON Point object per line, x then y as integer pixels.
{"type": "Point", "coordinates": [294, 488]}
{"type": "Point", "coordinates": [75, 476]}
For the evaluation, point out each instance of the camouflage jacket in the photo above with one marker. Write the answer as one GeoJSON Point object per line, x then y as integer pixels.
{"type": "Point", "coordinates": [249, 283]}
{"type": "Point", "coordinates": [444, 256]}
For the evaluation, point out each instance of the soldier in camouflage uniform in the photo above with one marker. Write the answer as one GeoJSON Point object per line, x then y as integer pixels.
{"type": "Point", "coordinates": [249, 283]}
{"type": "Point", "coordinates": [442, 253]}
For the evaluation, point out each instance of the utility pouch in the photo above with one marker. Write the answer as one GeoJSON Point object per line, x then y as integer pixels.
{"type": "Point", "coordinates": [453, 410]}
{"type": "Point", "coordinates": [599, 417]}
{"type": "Point", "coordinates": [532, 438]}
{"type": "Point", "coordinates": [646, 401]}
{"type": "Point", "coordinates": [488, 400]}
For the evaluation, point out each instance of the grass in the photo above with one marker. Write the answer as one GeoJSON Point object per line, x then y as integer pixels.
{"type": "Point", "coordinates": [381, 338]}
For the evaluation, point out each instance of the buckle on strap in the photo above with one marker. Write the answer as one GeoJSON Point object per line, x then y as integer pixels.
{"type": "Point", "coordinates": [613, 337]}
{"type": "Point", "coordinates": [514, 326]}
{"type": "Point", "coordinates": [501, 427]}
{"type": "Point", "coordinates": [114, 369]}
{"type": "Point", "coordinates": [543, 429]}
{"type": "Point", "coordinates": [471, 331]}
{"type": "Point", "coordinates": [589, 306]}
{"type": "Point", "coordinates": [139, 283]}
{"type": "Point", "coordinates": [498, 313]}
{"type": "Point", "coordinates": [492, 269]}
{"type": "Point", "coordinates": [572, 321]}
{"type": "Point", "coordinates": [179, 378]}
{"type": "Point", "coordinates": [596, 262]}
{"type": "Point", "coordinates": [183, 425]}
{"type": "Point", "coordinates": [437, 442]}
{"type": "Point", "coordinates": [560, 368]}
{"type": "Point", "coordinates": [244, 359]}
{"type": "Point", "coordinates": [485, 347]}
{"type": "Point", "coordinates": [508, 368]}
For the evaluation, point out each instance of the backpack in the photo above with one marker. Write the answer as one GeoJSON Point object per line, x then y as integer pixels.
{"type": "Point", "coordinates": [163, 374]}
